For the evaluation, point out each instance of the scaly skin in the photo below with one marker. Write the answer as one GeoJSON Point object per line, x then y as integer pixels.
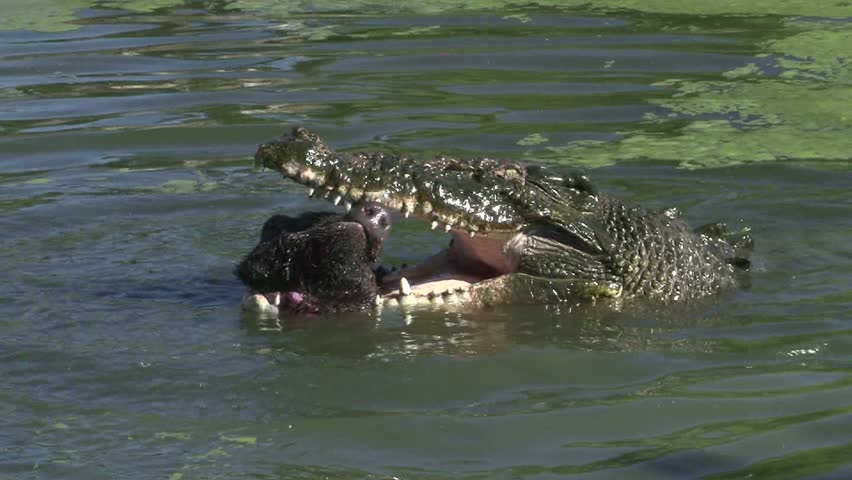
{"type": "Point", "coordinates": [560, 239]}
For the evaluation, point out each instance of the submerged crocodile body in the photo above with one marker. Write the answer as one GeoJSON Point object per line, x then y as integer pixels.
{"type": "Point", "coordinates": [520, 234]}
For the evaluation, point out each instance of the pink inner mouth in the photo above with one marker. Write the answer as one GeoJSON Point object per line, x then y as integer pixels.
{"type": "Point", "coordinates": [466, 261]}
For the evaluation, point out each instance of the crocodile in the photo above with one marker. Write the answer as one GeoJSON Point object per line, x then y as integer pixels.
{"type": "Point", "coordinates": [520, 234]}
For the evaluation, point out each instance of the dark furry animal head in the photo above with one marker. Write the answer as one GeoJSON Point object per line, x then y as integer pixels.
{"type": "Point", "coordinates": [319, 261]}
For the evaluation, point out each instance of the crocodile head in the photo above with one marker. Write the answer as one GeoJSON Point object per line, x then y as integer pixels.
{"type": "Point", "coordinates": [520, 234]}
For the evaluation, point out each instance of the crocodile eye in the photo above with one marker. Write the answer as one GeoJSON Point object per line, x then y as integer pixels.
{"type": "Point", "coordinates": [300, 132]}
{"type": "Point", "coordinates": [582, 183]}
{"type": "Point", "coordinates": [510, 172]}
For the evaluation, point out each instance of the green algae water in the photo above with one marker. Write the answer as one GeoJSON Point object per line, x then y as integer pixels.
{"type": "Point", "coordinates": [127, 194]}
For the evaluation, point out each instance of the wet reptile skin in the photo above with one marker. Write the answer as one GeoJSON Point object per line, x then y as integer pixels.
{"type": "Point", "coordinates": [566, 239]}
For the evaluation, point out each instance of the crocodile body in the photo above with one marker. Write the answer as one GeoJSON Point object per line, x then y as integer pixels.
{"type": "Point", "coordinates": [520, 234]}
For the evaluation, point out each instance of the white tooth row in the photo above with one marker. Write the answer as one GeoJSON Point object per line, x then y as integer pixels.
{"type": "Point", "coordinates": [404, 209]}
{"type": "Point", "coordinates": [405, 296]}
{"type": "Point", "coordinates": [268, 304]}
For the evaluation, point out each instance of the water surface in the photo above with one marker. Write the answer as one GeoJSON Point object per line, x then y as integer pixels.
{"type": "Point", "coordinates": [127, 195]}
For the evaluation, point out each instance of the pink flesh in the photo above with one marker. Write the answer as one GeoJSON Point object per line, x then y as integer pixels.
{"type": "Point", "coordinates": [467, 261]}
{"type": "Point", "coordinates": [481, 255]}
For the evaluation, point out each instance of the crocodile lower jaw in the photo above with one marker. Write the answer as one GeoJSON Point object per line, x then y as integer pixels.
{"type": "Point", "coordinates": [449, 274]}
{"type": "Point", "coordinates": [444, 278]}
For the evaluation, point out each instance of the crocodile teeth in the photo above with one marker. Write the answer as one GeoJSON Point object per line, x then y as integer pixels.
{"type": "Point", "coordinates": [311, 192]}
{"type": "Point", "coordinates": [337, 199]}
{"type": "Point", "coordinates": [348, 206]}
{"type": "Point", "coordinates": [256, 302]}
{"type": "Point", "coordinates": [406, 214]}
{"type": "Point", "coordinates": [434, 224]}
{"type": "Point", "coordinates": [472, 233]}
{"type": "Point", "coordinates": [404, 286]}
{"type": "Point", "coordinates": [378, 301]}
{"type": "Point", "coordinates": [447, 227]}
{"type": "Point", "coordinates": [259, 304]}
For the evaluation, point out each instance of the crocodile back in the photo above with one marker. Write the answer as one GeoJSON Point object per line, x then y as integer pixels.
{"type": "Point", "coordinates": [657, 256]}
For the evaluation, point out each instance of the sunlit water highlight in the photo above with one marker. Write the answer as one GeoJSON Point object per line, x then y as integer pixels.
{"type": "Point", "coordinates": [127, 194]}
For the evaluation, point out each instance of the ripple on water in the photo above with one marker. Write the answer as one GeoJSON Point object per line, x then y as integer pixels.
{"type": "Point", "coordinates": [127, 194]}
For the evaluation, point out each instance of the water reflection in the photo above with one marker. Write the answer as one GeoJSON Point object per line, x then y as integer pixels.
{"type": "Point", "coordinates": [399, 332]}
{"type": "Point", "coordinates": [127, 193]}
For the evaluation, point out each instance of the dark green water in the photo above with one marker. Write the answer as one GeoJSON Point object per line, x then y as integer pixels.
{"type": "Point", "coordinates": [127, 194]}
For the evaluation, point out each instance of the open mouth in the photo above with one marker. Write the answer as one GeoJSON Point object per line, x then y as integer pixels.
{"type": "Point", "coordinates": [465, 262]}
{"type": "Point", "coordinates": [466, 199]}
